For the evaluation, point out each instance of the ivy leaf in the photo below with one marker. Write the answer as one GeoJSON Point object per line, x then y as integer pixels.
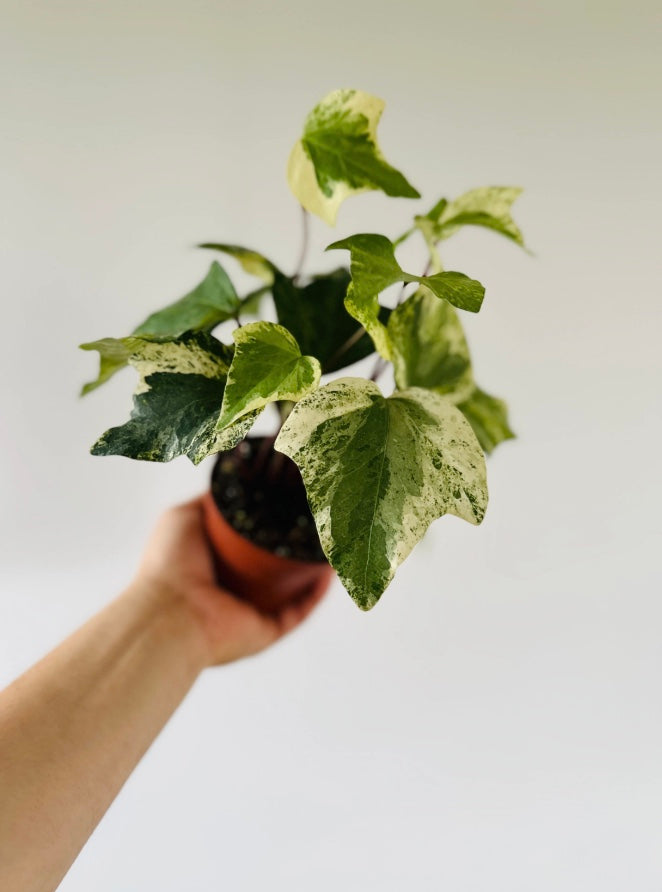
{"type": "Point", "coordinates": [113, 356]}
{"type": "Point", "coordinates": [252, 262]}
{"type": "Point", "coordinates": [316, 316]}
{"type": "Point", "coordinates": [213, 301]}
{"type": "Point", "coordinates": [338, 156]}
{"type": "Point", "coordinates": [373, 268]}
{"type": "Point", "coordinates": [177, 402]}
{"type": "Point", "coordinates": [488, 416]}
{"type": "Point", "coordinates": [365, 308]}
{"type": "Point", "coordinates": [428, 347]}
{"type": "Point", "coordinates": [378, 471]}
{"type": "Point", "coordinates": [267, 366]}
{"type": "Point", "coordinates": [487, 206]}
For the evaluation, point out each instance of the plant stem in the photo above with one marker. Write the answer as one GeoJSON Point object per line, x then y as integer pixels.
{"type": "Point", "coordinates": [349, 343]}
{"type": "Point", "coordinates": [305, 219]}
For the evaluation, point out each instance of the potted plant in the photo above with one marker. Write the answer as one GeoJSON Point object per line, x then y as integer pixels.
{"type": "Point", "coordinates": [350, 479]}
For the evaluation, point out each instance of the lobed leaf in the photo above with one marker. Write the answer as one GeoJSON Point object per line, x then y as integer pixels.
{"type": "Point", "coordinates": [378, 471]}
{"type": "Point", "coordinates": [487, 206]}
{"type": "Point", "coordinates": [338, 156]}
{"type": "Point", "coordinates": [373, 268]}
{"type": "Point", "coordinates": [177, 402]}
{"type": "Point", "coordinates": [267, 366]}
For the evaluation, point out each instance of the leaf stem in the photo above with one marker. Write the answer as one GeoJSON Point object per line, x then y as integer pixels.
{"type": "Point", "coordinates": [305, 235]}
{"type": "Point", "coordinates": [349, 343]}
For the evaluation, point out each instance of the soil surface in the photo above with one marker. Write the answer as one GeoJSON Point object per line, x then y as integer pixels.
{"type": "Point", "coordinates": [261, 494]}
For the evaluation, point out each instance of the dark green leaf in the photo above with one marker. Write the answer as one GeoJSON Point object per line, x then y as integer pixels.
{"type": "Point", "coordinates": [177, 402]}
{"type": "Point", "coordinates": [316, 316]}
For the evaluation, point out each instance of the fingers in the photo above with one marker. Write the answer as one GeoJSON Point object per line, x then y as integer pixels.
{"type": "Point", "coordinates": [294, 614]}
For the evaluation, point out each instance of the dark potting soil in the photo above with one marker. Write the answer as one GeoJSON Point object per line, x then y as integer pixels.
{"type": "Point", "coordinates": [261, 494]}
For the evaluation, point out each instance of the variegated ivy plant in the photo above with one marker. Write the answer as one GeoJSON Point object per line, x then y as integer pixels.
{"type": "Point", "coordinates": [377, 469]}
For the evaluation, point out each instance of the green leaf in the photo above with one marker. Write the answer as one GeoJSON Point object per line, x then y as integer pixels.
{"type": "Point", "coordinates": [213, 301]}
{"type": "Point", "coordinates": [338, 156]}
{"type": "Point", "coordinates": [428, 347]}
{"type": "Point", "coordinates": [177, 401]}
{"type": "Point", "coordinates": [373, 267]}
{"type": "Point", "coordinates": [267, 366]}
{"type": "Point", "coordinates": [487, 206]}
{"type": "Point", "coordinates": [254, 263]}
{"type": "Point", "coordinates": [488, 416]}
{"type": "Point", "coordinates": [458, 289]}
{"type": "Point", "coordinates": [113, 356]}
{"type": "Point", "coordinates": [378, 471]}
{"type": "Point", "coordinates": [316, 316]}
{"type": "Point", "coordinates": [251, 302]}
{"type": "Point", "coordinates": [365, 308]}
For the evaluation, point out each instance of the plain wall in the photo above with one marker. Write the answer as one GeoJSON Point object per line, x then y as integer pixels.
{"type": "Point", "coordinates": [495, 723]}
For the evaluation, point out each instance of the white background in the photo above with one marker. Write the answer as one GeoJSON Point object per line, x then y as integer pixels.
{"type": "Point", "coordinates": [495, 723]}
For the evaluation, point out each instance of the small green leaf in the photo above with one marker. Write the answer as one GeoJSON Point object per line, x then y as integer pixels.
{"type": "Point", "coordinates": [317, 317]}
{"type": "Point", "coordinates": [428, 347]}
{"type": "Point", "coordinates": [378, 471]}
{"type": "Point", "coordinates": [113, 356]}
{"type": "Point", "coordinates": [213, 301]}
{"type": "Point", "coordinates": [177, 401]}
{"type": "Point", "coordinates": [487, 206]}
{"type": "Point", "coordinates": [338, 156]}
{"type": "Point", "coordinates": [373, 267]}
{"type": "Point", "coordinates": [254, 263]}
{"type": "Point", "coordinates": [267, 366]}
{"type": "Point", "coordinates": [458, 289]}
{"type": "Point", "coordinates": [488, 416]}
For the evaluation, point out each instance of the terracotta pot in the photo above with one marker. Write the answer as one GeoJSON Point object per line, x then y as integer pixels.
{"type": "Point", "coordinates": [260, 576]}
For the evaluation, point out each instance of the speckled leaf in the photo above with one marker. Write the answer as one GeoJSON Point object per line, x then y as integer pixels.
{"type": "Point", "coordinates": [338, 156]}
{"type": "Point", "coordinates": [487, 206]}
{"type": "Point", "coordinates": [213, 301]}
{"type": "Point", "coordinates": [317, 317]}
{"type": "Point", "coordinates": [177, 401]}
{"type": "Point", "coordinates": [488, 416]}
{"type": "Point", "coordinates": [267, 366]}
{"type": "Point", "coordinates": [254, 263]}
{"type": "Point", "coordinates": [428, 347]}
{"type": "Point", "coordinates": [373, 267]}
{"type": "Point", "coordinates": [378, 471]}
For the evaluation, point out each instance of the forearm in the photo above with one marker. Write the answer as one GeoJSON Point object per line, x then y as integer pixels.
{"type": "Point", "coordinates": [74, 726]}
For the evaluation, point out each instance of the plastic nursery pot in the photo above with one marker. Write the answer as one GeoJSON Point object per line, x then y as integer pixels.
{"type": "Point", "coordinates": [267, 579]}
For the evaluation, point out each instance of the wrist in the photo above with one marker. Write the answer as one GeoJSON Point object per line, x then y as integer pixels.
{"type": "Point", "coordinates": [174, 619]}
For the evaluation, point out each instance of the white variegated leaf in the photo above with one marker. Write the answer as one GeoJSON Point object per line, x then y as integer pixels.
{"type": "Point", "coordinates": [378, 471]}
{"type": "Point", "coordinates": [267, 366]}
{"type": "Point", "coordinates": [338, 156]}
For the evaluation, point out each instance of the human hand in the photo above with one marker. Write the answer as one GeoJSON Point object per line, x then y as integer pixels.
{"type": "Point", "coordinates": [178, 566]}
